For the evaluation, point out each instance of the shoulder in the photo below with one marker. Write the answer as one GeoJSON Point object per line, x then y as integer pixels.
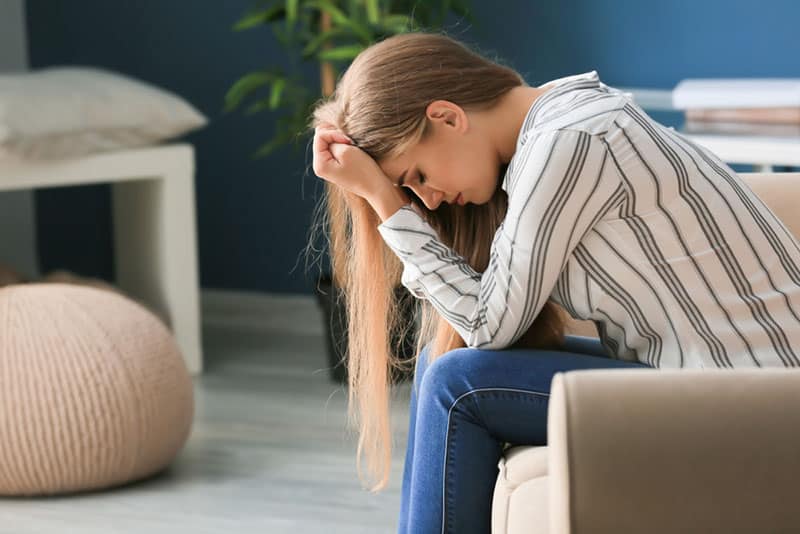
{"type": "Point", "coordinates": [577, 102]}
{"type": "Point", "coordinates": [559, 151]}
{"type": "Point", "coordinates": [589, 111]}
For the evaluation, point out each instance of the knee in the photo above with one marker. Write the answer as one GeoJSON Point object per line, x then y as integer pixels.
{"type": "Point", "coordinates": [448, 376]}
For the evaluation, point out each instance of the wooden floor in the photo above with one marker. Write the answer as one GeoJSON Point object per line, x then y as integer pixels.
{"type": "Point", "coordinates": [268, 453]}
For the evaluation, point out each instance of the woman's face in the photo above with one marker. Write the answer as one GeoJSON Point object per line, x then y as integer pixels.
{"type": "Point", "coordinates": [457, 163]}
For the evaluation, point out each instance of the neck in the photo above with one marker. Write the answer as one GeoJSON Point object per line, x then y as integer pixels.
{"type": "Point", "coordinates": [505, 121]}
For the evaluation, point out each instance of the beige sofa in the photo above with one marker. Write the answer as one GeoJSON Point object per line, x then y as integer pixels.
{"type": "Point", "coordinates": [664, 450]}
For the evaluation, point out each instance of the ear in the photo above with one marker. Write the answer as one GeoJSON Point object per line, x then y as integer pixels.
{"type": "Point", "coordinates": [446, 113]}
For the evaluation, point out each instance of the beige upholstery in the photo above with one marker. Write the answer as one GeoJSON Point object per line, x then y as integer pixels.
{"type": "Point", "coordinates": [93, 390]}
{"type": "Point", "coordinates": [675, 450]}
{"type": "Point", "coordinates": [657, 450]}
{"type": "Point", "coordinates": [521, 501]}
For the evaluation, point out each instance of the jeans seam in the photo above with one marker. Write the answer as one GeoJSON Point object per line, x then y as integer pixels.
{"type": "Point", "coordinates": [447, 438]}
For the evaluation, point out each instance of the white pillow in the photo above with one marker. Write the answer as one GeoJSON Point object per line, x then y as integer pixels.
{"type": "Point", "coordinates": [62, 112]}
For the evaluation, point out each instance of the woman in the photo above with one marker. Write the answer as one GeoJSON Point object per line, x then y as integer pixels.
{"type": "Point", "coordinates": [495, 202]}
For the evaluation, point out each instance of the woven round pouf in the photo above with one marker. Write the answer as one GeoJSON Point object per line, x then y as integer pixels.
{"type": "Point", "coordinates": [94, 391]}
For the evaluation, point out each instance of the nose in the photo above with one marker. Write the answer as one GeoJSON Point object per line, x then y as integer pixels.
{"type": "Point", "coordinates": [431, 198]}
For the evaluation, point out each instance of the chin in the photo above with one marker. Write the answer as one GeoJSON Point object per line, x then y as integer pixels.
{"type": "Point", "coordinates": [484, 199]}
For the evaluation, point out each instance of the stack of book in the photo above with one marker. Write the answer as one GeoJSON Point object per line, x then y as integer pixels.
{"type": "Point", "coordinates": [740, 106]}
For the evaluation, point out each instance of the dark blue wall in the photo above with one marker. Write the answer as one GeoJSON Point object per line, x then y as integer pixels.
{"type": "Point", "coordinates": [253, 216]}
{"type": "Point", "coordinates": [648, 43]}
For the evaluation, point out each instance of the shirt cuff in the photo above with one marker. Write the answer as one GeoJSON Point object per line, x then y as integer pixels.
{"type": "Point", "coordinates": [406, 231]}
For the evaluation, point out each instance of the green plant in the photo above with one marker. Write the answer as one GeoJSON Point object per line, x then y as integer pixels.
{"type": "Point", "coordinates": [330, 33]}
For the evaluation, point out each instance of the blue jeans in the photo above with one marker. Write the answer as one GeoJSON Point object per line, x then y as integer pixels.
{"type": "Point", "coordinates": [464, 407]}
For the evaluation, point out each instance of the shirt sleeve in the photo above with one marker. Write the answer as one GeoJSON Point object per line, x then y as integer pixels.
{"type": "Point", "coordinates": [559, 186]}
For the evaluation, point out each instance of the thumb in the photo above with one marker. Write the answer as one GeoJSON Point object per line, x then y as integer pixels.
{"type": "Point", "coordinates": [337, 150]}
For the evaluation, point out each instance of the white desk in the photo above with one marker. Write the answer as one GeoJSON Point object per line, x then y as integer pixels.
{"type": "Point", "coordinates": [155, 238]}
{"type": "Point", "coordinates": [761, 151]}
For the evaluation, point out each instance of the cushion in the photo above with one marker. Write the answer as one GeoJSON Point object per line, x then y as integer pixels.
{"type": "Point", "coordinates": [93, 390]}
{"type": "Point", "coordinates": [520, 502]}
{"type": "Point", "coordinates": [62, 112]}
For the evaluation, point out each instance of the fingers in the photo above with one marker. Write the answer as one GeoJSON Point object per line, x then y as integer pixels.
{"type": "Point", "coordinates": [324, 136]}
{"type": "Point", "coordinates": [326, 147]}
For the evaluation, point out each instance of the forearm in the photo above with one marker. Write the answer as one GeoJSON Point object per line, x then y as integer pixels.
{"type": "Point", "coordinates": [387, 199]}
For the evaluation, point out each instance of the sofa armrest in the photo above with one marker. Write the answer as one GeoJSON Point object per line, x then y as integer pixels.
{"type": "Point", "coordinates": [674, 450]}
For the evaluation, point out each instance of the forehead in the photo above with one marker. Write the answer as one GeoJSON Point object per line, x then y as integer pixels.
{"type": "Point", "coordinates": [394, 167]}
{"type": "Point", "coordinates": [414, 155]}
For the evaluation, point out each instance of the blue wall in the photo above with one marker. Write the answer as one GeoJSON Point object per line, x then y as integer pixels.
{"type": "Point", "coordinates": [253, 216]}
{"type": "Point", "coordinates": [645, 43]}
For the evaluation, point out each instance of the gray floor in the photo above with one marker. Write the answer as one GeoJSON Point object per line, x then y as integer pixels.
{"type": "Point", "coordinates": [269, 451]}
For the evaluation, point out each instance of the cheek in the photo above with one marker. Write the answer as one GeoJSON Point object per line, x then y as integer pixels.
{"type": "Point", "coordinates": [483, 172]}
{"type": "Point", "coordinates": [471, 170]}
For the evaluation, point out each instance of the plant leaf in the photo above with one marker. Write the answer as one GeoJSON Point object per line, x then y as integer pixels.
{"type": "Point", "coordinates": [373, 11]}
{"type": "Point", "coordinates": [244, 86]}
{"type": "Point", "coordinates": [288, 92]}
{"type": "Point", "coordinates": [317, 41]}
{"type": "Point", "coordinates": [264, 16]}
{"type": "Point", "coordinates": [341, 52]}
{"type": "Point", "coordinates": [398, 23]}
{"type": "Point", "coordinates": [338, 18]}
{"type": "Point", "coordinates": [259, 105]}
{"type": "Point", "coordinates": [275, 96]}
{"type": "Point", "coordinates": [291, 13]}
{"type": "Point", "coordinates": [337, 15]}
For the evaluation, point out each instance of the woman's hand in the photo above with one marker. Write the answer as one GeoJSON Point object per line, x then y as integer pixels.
{"type": "Point", "coordinates": [338, 161]}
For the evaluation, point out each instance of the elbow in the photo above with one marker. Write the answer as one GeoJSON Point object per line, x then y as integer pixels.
{"type": "Point", "coordinates": [485, 342]}
{"type": "Point", "coordinates": [487, 333]}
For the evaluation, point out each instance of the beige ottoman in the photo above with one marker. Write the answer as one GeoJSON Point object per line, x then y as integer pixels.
{"type": "Point", "coordinates": [93, 390]}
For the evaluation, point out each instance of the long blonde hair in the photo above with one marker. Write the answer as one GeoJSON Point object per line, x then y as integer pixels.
{"type": "Point", "coordinates": [380, 103]}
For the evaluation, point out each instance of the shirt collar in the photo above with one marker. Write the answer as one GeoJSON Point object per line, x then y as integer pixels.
{"type": "Point", "coordinates": [585, 80]}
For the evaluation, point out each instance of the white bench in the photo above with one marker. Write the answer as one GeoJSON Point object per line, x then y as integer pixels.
{"type": "Point", "coordinates": [155, 237]}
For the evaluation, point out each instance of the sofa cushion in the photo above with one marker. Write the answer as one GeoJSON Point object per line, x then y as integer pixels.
{"type": "Point", "coordinates": [520, 502]}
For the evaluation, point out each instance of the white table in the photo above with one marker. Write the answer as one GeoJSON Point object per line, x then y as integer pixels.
{"type": "Point", "coordinates": [762, 152]}
{"type": "Point", "coordinates": [155, 237]}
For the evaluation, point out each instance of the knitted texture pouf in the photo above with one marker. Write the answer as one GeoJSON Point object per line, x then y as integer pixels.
{"type": "Point", "coordinates": [93, 390]}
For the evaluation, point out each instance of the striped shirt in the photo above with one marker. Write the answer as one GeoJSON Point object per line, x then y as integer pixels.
{"type": "Point", "coordinates": [629, 224]}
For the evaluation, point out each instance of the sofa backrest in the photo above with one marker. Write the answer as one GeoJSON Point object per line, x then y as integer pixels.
{"type": "Point", "coordinates": [780, 191]}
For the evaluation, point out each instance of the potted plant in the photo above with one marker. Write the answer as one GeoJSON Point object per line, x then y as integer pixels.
{"type": "Point", "coordinates": [330, 33]}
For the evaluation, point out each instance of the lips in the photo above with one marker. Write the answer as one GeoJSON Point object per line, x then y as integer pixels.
{"type": "Point", "coordinates": [460, 199]}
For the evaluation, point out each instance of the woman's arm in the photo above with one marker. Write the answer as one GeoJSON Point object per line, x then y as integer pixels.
{"type": "Point", "coordinates": [559, 185]}
{"type": "Point", "coordinates": [387, 199]}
